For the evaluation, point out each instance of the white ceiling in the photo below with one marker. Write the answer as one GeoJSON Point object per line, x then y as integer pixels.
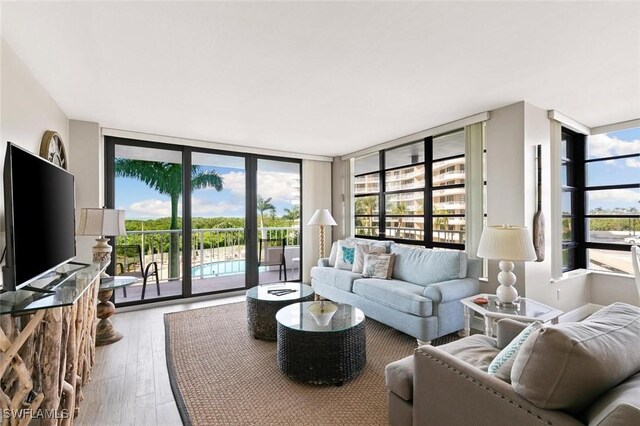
{"type": "Point", "coordinates": [326, 77]}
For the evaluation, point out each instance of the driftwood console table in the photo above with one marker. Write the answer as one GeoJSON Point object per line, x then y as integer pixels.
{"type": "Point", "coordinates": [47, 346]}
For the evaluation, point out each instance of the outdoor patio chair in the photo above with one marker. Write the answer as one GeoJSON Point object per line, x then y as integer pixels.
{"type": "Point", "coordinates": [271, 253]}
{"type": "Point", "coordinates": [130, 262]}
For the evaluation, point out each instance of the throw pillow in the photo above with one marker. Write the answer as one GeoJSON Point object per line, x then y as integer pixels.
{"type": "Point", "coordinates": [333, 254]}
{"type": "Point", "coordinates": [343, 262]}
{"type": "Point", "coordinates": [378, 266]}
{"type": "Point", "coordinates": [361, 251]}
{"type": "Point", "coordinates": [503, 362]}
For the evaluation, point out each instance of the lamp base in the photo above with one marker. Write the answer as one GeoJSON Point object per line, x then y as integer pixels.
{"type": "Point", "coordinates": [506, 292]}
{"type": "Point", "coordinates": [102, 254]}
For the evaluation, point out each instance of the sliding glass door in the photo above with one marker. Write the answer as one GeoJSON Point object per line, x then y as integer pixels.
{"type": "Point", "coordinates": [278, 209]}
{"type": "Point", "coordinates": [148, 185]}
{"type": "Point", "coordinates": [218, 222]}
{"type": "Point", "coordinates": [201, 221]}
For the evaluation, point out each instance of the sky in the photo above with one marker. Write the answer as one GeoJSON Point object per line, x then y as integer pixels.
{"type": "Point", "coordinates": [614, 172]}
{"type": "Point", "coordinates": [276, 180]}
{"type": "Point", "coordinates": [141, 202]}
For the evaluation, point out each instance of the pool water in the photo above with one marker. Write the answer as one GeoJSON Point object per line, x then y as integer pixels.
{"type": "Point", "coordinates": [227, 267]}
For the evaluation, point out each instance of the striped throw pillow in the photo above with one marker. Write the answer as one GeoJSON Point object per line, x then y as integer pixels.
{"type": "Point", "coordinates": [502, 363]}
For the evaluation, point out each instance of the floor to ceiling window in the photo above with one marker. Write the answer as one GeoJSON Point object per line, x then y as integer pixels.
{"type": "Point", "coordinates": [601, 199]}
{"type": "Point", "coordinates": [196, 219]}
{"type": "Point", "coordinates": [414, 193]}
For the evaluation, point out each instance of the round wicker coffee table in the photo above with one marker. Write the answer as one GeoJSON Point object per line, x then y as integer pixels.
{"type": "Point", "coordinates": [312, 352]}
{"type": "Point", "coordinates": [264, 301]}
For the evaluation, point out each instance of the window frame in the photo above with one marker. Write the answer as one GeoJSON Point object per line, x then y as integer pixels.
{"type": "Point", "coordinates": [427, 191]}
{"type": "Point", "coordinates": [577, 155]}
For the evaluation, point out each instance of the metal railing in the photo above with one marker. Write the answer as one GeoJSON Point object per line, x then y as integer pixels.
{"type": "Point", "coordinates": [222, 247]}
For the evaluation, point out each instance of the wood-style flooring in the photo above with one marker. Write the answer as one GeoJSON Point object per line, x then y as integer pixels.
{"type": "Point", "coordinates": [130, 383]}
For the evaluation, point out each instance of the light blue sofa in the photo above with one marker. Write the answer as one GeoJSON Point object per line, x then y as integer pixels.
{"type": "Point", "coordinates": [422, 298]}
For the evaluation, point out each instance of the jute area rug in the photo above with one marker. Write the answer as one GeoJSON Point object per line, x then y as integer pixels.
{"type": "Point", "coordinates": [222, 376]}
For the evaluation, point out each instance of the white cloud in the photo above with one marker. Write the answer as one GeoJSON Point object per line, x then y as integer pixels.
{"type": "Point", "coordinates": [202, 207]}
{"type": "Point", "coordinates": [632, 162]}
{"type": "Point", "coordinates": [604, 145]}
{"type": "Point", "coordinates": [278, 186]}
{"type": "Point", "coordinates": [234, 182]}
{"type": "Point", "coordinates": [149, 208]}
{"type": "Point", "coordinates": [199, 207]}
{"type": "Point", "coordinates": [624, 195]}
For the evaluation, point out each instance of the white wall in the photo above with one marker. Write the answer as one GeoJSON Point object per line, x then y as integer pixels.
{"type": "Point", "coordinates": [316, 194]}
{"type": "Point", "coordinates": [27, 111]}
{"type": "Point", "coordinates": [85, 142]}
{"type": "Point", "coordinates": [505, 178]}
{"type": "Point", "coordinates": [341, 208]}
{"type": "Point", "coordinates": [607, 288]}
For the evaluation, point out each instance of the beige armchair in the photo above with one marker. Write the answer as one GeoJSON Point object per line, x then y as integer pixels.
{"type": "Point", "coordinates": [565, 374]}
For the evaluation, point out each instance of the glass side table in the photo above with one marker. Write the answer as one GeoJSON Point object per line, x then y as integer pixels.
{"type": "Point", "coordinates": [105, 332]}
{"type": "Point", "coordinates": [526, 310]}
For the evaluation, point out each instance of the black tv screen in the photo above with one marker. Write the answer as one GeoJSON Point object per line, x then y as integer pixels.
{"type": "Point", "coordinates": [39, 217]}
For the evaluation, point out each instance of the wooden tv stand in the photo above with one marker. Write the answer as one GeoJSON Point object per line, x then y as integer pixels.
{"type": "Point", "coordinates": [47, 343]}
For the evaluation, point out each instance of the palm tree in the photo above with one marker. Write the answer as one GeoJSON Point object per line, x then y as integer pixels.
{"type": "Point", "coordinates": [366, 206]}
{"type": "Point", "coordinates": [400, 209]}
{"type": "Point", "coordinates": [292, 214]}
{"type": "Point", "coordinates": [166, 178]}
{"type": "Point", "coordinates": [264, 205]}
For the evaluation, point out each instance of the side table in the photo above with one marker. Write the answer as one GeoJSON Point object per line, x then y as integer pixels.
{"type": "Point", "coordinates": [264, 301]}
{"type": "Point", "coordinates": [105, 332]}
{"type": "Point", "coordinates": [527, 310]}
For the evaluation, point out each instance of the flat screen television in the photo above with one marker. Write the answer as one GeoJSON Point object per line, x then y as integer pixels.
{"type": "Point", "coordinates": [39, 207]}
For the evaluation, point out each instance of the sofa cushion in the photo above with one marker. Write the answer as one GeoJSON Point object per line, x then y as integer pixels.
{"type": "Point", "coordinates": [426, 266]}
{"type": "Point", "coordinates": [337, 278]}
{"type": "Point", "coordinates": [333, 254]}
{"type": "Point", "coordinates": [399, 295]}
{"type": "Point", "coordinates": [580, 360]}
{"type": "Point", "coordinates": [361, 251]}
{"type": "Point", "coordinates": [478, 350]}
{"type": "Point", "coordinates": [399, 377]}
{"type": "Point", "coordinates": [619, 406]}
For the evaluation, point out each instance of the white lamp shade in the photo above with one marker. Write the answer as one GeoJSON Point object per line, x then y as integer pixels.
{"type": "Point", "coordinates": [506, 243]}
{"type": "Point", "coordinates": [322, 217]}
{"type": "Point", "coordinates": [99, 222]}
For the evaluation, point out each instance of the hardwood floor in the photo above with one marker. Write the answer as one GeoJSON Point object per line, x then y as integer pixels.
{"type": "Point", "coordinates": [130, 383]}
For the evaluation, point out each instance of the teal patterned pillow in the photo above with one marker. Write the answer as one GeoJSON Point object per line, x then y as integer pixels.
{"type": "Point", "coordinates": [502, 363]}
{"type": "Point", "coordinates": [348, 254]}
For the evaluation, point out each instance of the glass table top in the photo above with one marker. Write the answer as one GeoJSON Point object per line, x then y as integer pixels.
{"type": "Point", "coordinates": [62, 287]}
{"type": "Point", "coordinates": [117, 282]}
{"type": "Point", "coordinates": [308, 316]}
{"type": "Point", "coordinates": [280, 291]}
{"type": "Point", "coordinates": [525, 308]}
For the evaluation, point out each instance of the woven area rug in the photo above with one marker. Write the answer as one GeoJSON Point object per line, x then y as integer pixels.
{"type": "Point", "coordinates": [222, 376]}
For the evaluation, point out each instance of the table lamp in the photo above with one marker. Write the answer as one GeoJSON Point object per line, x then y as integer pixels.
{"type": "Point", "coordinates": [506, 243]}
{"type": "Point", "coordinates": [100, 223]}
{"type": "Point", "coordinates": [321, 218]}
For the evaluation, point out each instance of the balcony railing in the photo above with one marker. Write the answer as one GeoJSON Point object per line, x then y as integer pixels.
{"type": "Point", "coordinates": [224, 247]}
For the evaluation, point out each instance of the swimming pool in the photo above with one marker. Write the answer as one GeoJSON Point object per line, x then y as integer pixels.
{"type": "Point", "coordinates": [225, 267]}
